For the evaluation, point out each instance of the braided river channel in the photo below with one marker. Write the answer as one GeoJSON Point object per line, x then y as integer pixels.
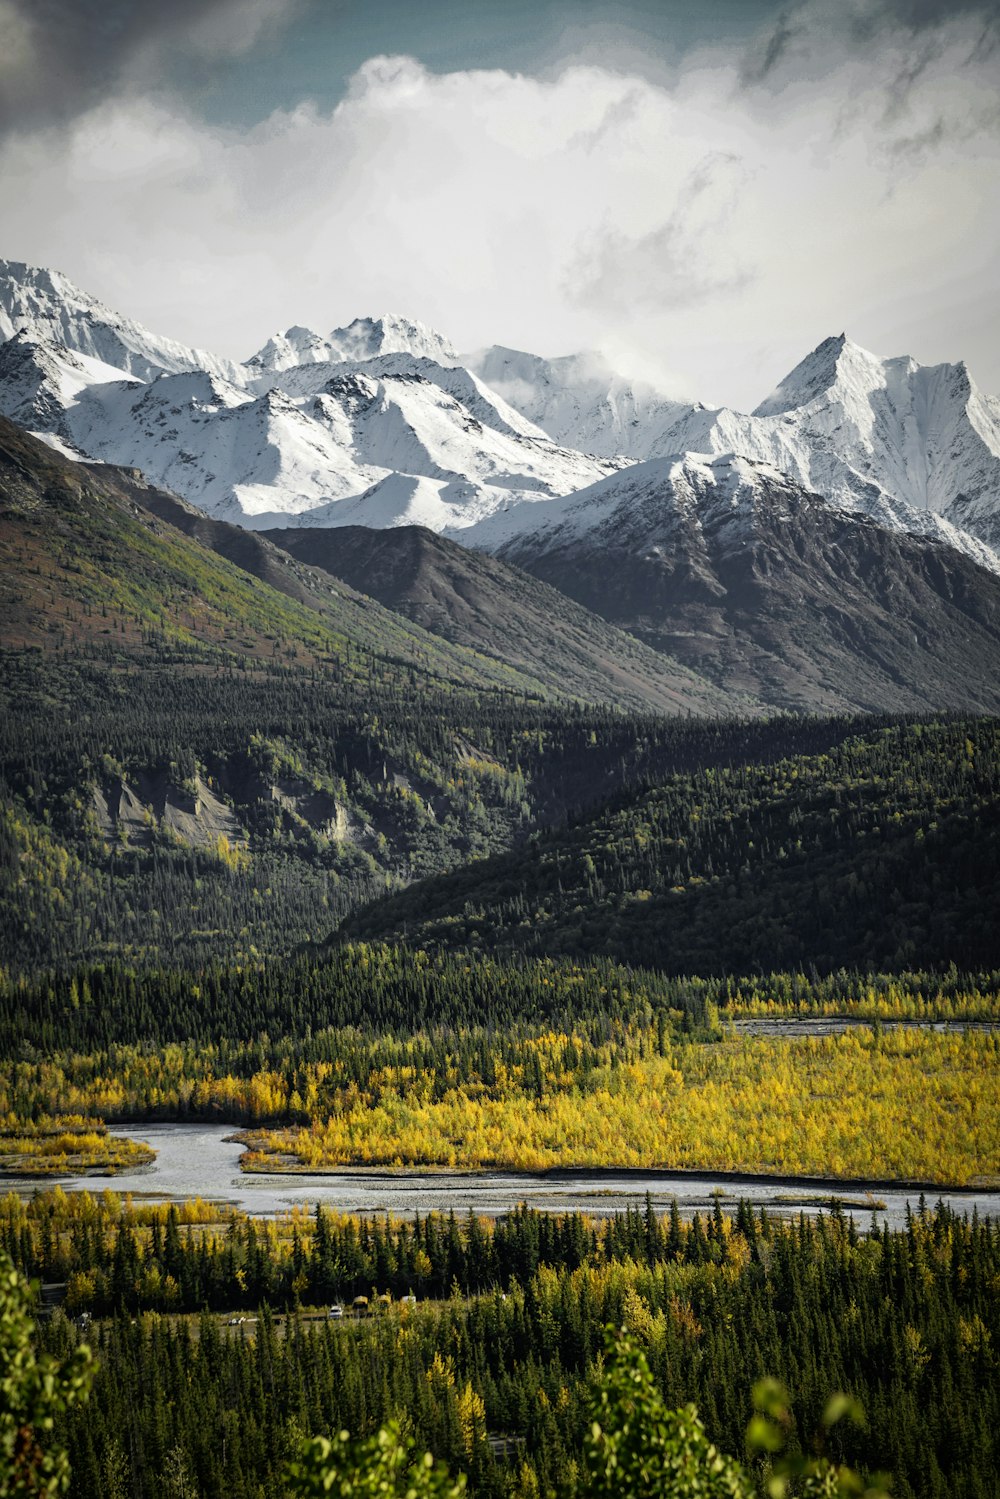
{"type": "Point", "coordinates": [203, 1160]}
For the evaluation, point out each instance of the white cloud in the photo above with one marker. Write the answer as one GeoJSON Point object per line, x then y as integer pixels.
{"type": "Point", "coordinates": [705, 229]}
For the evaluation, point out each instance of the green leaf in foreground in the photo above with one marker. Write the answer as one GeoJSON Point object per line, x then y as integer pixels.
{"type": "Point", "coordinates": [33, 1392]}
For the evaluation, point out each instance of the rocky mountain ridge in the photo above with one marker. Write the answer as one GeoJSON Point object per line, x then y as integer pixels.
{"type": "Point", "coordinates": [832, 549]}
{"type": "Point", "coordinates": [383, 415]}
{"type": "Point", "coordinates": [734, 569]}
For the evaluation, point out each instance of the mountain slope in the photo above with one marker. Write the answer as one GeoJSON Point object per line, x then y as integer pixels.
{"type": "Point", "coordinates": [377, 415]}
{"type": "Point", "coordinates": [765, 588]}
{"type": "Point", "coordinates": [323, 444]}
{"type": "Point", "coordinates": [86, 560]}
{"type": "Point", "coordinates": [882, 851]}
{"type": "Point", "coordinates": [924, 433]}
{"type": "Point", "coordinates": [479, 601]}
{"type": "Point", "coordinates": [382, 415]}
{"type": "Point", "coordinates": [365, 338]}
{"type": "Point", "coordinates": [916, 448]}
{"type": "Point", "coordinates": [405, 417]}
{"type": "Point", "coordinates": [378, 425]}
{"type": "Point", "coordinates": [39, 382]}
{"type": "Point", "coordinates": [206, 745]}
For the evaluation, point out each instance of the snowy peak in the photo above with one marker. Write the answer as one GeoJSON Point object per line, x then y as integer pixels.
{"type": "Point", "coordinates": [842, 376]}
{"type": "Point", "coordinates": [842, 386]}
{"type": "Point", "coordinates": [362, 381]}
{"type": "Point", "coordinates": [367, 338]}
{"type": "Point", "coordinates": [381, 417]}
{"type": "Point", "coordinates": [40, 381]}
{"type": "Point", "coordinates": [580, 400]}
{"type": "Point", "coordinates": [364, 339]}
{"type": "Point", "coordinates": [915, 448]}
{"type": "Point", "coordinates": [50, 309]}
{"type": "Point", "coordinates": [881, 434]}
{"type": "Point", "coordinates": [286, 350]}
{"type": "Point", "coordinates": [394, 437]}
{"type": "Point", "coordinates": [200, 390]}
{"type": "Point", "coordinates": [641, 506]}
{"type": "Point", "coordinates": [815, 374]}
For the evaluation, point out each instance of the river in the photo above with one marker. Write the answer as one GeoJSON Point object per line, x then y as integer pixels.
{"type": "Point", "coordinates": [835, 1025]}
{"type": "Point", "coordinates": [202, 1160]}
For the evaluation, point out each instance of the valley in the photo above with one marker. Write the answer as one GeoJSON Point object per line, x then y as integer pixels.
{"type": "Point", "coordinates": [475, 829]}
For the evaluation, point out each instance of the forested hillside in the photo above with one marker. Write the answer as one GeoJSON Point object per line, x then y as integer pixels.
{"type": "Point", "coordinates": [207, 745]}
{"type": "Point", "coordinates": [158, 812]}
{"type": "Point", "coordinates": [882, 851]}
{"type": "Point", "coordinates": [210, 757]}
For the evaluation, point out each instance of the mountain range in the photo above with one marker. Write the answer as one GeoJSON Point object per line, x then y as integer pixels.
{"type": "Point", "coordinates": [832, 549]}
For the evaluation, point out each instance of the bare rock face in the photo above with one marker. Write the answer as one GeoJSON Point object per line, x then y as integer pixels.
{"type": "Point", "coordinates": [133, 812]}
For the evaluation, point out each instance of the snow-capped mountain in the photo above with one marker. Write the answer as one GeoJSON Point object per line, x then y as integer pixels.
{"type": "Point", "coordinates": [580, 401]}
{"type": "Point", "coordinates": [41, 382]}
{"type": "Point", "coordinates": [925, 434]}
{"type": "Point", "coordinates": [448, 449]}
{"type": "Point", "coordinates": [379, 423]}
{"type": "Point", "coordinates": [49, 309]}
{"type": "Point", "coordinates": [916, 448]}
{"type": "Point", "coordinates": [240, 457]}
{"type": "Point", "coordinates": [647, 510]}
{"type": "Point", "coordinates": [193, 432]}
{"type": "Point", "coordinates": [365, 338]}
{"type": "Point", "coordinates": [459, 385]}
{"type": "Point", "coordinates": [734, 569]}
{"type": "Point", "coordinates": [643, 506]}
{"type": "Point", "coordinates": [396, 437]}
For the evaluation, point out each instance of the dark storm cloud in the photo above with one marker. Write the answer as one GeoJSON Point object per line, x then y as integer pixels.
{"type": "Point", "coordinates": [57, 57]}
{"type": "Point", "coordinates": [919, 18]}
{"type": "Point", "coordinates": [910, 41]}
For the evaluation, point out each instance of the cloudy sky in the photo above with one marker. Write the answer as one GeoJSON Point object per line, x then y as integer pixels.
{"type": "Point", "coordinates": [704, 189]}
